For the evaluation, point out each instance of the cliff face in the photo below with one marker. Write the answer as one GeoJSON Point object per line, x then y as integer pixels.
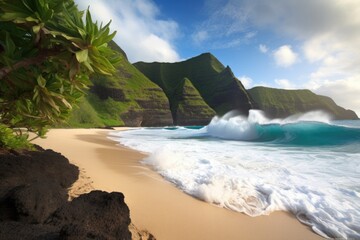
{"type": "Point", "coordinates": [190, 108]}
{"type": "Point", "coordinates": [216, 84]}
{"type": "Point", "coordinates": [127, 98]}
{"type": "Point", "coordinates": [280, 103]}
{"type": "Point", "coordinates": [185, 93]}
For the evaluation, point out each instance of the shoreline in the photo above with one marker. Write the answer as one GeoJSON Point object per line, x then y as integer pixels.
{"type": "Point", "coordinates": [155, 204]}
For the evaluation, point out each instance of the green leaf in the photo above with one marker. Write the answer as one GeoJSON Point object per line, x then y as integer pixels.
{"type": "Point", "coordinates": [31, 19]}
{"type": "Point", "coordinates": [36, 28]}
{"type": "Point", "coordinates": [41, 81]}
{"type": "Point", "coordinates": [9, 45]}
{"type": "Point", "coordinates": [88, 66]}
{"type": "Point", "coordinates": [66, 103]}
{"type": "Point", "coordinates": [82, 55]}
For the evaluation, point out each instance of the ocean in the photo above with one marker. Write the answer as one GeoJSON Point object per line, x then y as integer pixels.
{"type": "Point", "coordinates": [305, 164]}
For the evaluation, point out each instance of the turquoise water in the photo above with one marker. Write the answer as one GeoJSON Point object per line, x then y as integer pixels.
{"type": "Point", "coordinates": [306, 164]}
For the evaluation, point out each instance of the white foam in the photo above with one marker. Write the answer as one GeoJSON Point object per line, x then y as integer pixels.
{"type": "Point", "coordinates": [237, 127]}
{"type": "Point", "coordinates": [320, 186]}
{"type": "Point", "coordinates": [312, 116]}
{"type": "Point", "coordinates": [256, 183]}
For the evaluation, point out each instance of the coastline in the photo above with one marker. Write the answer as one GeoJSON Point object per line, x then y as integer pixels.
{"type": "Point", "coordinates": [156, 205]}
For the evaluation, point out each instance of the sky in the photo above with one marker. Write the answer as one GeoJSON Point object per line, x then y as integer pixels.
{"type": "Point", "coordinates": [291, 44]}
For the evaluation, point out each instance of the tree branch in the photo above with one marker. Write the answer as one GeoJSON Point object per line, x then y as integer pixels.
{"type": "Point", "coordinates": [37, 60]}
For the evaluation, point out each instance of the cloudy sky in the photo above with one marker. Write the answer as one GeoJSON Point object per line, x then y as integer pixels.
{"type": "Point", "coordinates": [313, 44]}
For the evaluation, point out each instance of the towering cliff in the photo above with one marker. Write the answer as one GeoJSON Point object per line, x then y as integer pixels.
{"type": "Point", "coordinates": [215, 83]}
{"type": "Point", "coordinates": [127, 98]}
{"type": "Point", "coordinates": [280, 103]}
{"type": "Point", "coordinates": [185, 93]}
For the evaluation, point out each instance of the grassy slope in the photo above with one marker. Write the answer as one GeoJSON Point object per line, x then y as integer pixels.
{"type": "Point", "coordinates": [216, 84]}
{"type": "Point", "coordinates": [282, 103]}
{"type": "Point", "coordinates": [100, 108]}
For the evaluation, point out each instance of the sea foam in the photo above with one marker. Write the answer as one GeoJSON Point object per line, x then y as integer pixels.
{"type": "Point", "coordinates": [235, 163]}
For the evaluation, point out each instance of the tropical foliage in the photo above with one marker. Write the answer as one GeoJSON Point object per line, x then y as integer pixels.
{"type": "Point", "coordinates": [48, 49]}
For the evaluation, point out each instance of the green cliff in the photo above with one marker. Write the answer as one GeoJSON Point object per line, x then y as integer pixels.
{"type": "Point", "coordinates": [185, 93]}
{"type": "Point", "coordinates": [127, 98]}
{"type": "Point", "coordinates": [189, 107]}
{"type": "Point", "coordinates": [280, 103]}
{"type": "Point", "coordinates": [215, 83]}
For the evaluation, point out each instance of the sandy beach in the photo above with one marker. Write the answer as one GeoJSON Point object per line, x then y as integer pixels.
{"type": "Point", "coordinates": [156, 205]}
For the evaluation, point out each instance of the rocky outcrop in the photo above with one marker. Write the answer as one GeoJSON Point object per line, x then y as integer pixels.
{"type": "Point", "coordinates": [96, 215]}
{"type": "Point", "coordinates": [33, 202]}
{"type": "Point", "coordinates": [280, 103]}
{"type": "Point", "coordinates": [19, 171]}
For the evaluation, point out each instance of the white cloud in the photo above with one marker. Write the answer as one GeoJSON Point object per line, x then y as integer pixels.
{"type": "Point", "coordinates": [263, 48]}
{"type": "Point", "coordinates": [284, 56]}
{"type": "Point", "coordinates": [140, 32]}
{"type": "Point", "coordinates": [200, 36]}
{"type": "Point", "coordinates": [250, 35]}
{"type": "Point", "coordinates": [334, 56]}
{"type": "Point", "coordinates": [284, 83]}
{"type": "Point", "coordinates": [246, 81]}
{"type": "Point", "coordinates": [327, 30]}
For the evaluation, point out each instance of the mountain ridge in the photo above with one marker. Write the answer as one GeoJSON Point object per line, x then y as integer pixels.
{"type": "Point", "coordinates": [215, 82]}
{"type": "Point", "coordinates": [281, 103]}
{"type": "Point", "coordinates": [190, 92]}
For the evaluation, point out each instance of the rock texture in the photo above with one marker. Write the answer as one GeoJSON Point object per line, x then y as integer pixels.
{"type": "Point", "coordinates": [11, 230]}
{"type": "Point", "coordinates": [33, 184]}
{"type": "Point", "coordinates": [280, 103]}
{"type": "Point", "coordinates": [96, 215]}
{"type": "Point", "coordinates": [33, 202]}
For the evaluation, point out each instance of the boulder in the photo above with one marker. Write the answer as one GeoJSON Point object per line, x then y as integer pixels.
{"type": "Point", "coordinates": [17, 169]}
{"type": "Point", "coordinates": [33, 184]}
{"type": "Point", "coordinates": [33, 203]}
{"type": "Point", "coordinates": [96, 215]}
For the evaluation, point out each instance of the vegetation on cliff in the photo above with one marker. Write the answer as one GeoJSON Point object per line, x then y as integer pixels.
{"type": "Point", "coordinates": [189, 107]}
{"type": "Point", "coordinates": [215, 83]}
{"type": "Point", "coordinates": [185, 93]}
{"type": "Point", "coordinates": [48, 51]}
{"type": "Point", "coordinates": [127, 98]}
{"type": "Point", "coordinates": [280, 103]}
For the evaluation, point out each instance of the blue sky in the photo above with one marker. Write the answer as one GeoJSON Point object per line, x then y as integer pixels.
{"type": "Point", "coordinates": [313, 44]}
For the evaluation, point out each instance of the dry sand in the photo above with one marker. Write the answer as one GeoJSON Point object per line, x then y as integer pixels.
{"type": "Point", "coordinates": [155, 204]}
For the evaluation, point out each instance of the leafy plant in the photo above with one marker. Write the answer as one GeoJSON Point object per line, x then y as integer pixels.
{"type": "Point", "coordinates": [9, 140]}
{"type": "Point", "coordinates": [47, 52]}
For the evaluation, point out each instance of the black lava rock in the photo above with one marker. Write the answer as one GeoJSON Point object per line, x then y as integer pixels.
{"type": "Point", "coordinates": [96, 215]}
